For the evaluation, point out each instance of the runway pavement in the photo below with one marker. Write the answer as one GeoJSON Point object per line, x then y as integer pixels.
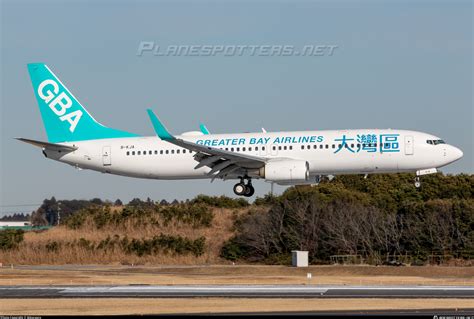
{"type": "Point", "coordinates": [229, 291]}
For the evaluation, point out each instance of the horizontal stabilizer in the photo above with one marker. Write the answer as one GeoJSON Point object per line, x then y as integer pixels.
{"type": "Point", "coordinates": [49, 146]}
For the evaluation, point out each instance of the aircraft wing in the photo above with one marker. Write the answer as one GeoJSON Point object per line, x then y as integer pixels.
{"type": "Point", "coordinates": [222, 163]}
{"type": "Point", "coordinates": [49, 146]}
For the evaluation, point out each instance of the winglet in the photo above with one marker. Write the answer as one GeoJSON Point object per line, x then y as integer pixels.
{"type": "Point", "coordinates": [204, 129]}
{"type": "Point", "coordinates": [160, 129]}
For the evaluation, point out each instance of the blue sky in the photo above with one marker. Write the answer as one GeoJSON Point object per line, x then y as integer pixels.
{"type": "Point", "coordinates": [398, 64]}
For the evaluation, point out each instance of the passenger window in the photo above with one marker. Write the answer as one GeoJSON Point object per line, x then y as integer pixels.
{"type": "Point", "coordinates": [256, 148]}
{"type": "Point", "coordinates": [291, 147]}
{"type": "Point", "coordinates": [250, 149]}
{"type": "Point", "coordinates": [284, 147]}
{"type": "Point", "coordinates": [243, 149]}
{"type": "Point", "coordinates": [161, 151]}
{"type": "Point", "coordinates": [184, 151]}
{"type": "Point", "coordinates": [128, 153]}
{"type": "Point", "coordinates": [315, 146]}
{"type": "Point", "coordinates": [172, 151]}
{"type": "Point", "coordinates": [321, 146]}
{"type": "Point", "coordinates": [231, 149]}
{"type": "Point", "coordinates": [226, 148]}
{"type": "Point", "coordinates": [279, 148]}
{"type": "Point", "coordinates": [302, 147]}
{"type": "Point", "coordinates": [327, 146]}
{"type": "Point", "coordinates": [167, 151]}
{"type": "Point", "coordinates": [133, 152]}
{"type": "Point", "coordinates": [333, 146]}
{"type": "Point", "coordinates": [263, 148]}
{"type": "Point", "coordinates": [139, 153]}
{"type": "Point", "coordinates": [177, 151]}
{"type": "Point", "coordinates": [156, 152]}
{"type": "Point", "coordinates": [274, 148]}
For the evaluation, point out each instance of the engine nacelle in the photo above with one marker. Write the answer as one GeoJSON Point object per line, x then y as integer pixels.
{"type": "Point", "coordinates": [289, 171]}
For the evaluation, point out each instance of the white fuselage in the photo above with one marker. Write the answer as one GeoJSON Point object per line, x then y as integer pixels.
{"type": "Point", "coordinates": [331, 152]}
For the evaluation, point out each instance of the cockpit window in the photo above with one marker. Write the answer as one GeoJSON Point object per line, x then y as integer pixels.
{"type": "Point", "coordinates": [435, 142]}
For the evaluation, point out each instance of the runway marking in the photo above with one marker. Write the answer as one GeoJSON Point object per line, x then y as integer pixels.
{"type": "Point", "coordinates": [254, 291]}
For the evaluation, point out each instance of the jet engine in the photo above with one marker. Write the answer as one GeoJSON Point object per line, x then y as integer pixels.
{"type": "Point", "coordinates": [286, 171]}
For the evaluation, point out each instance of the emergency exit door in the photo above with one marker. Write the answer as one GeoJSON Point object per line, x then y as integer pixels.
{"type": "Point", "coordinates": [106, 156]}
{"type": "Point", "coordinates": [409, 145]}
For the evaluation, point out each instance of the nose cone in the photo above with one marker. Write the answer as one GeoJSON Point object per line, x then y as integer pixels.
{"type": "Point", "coordinates": [455, 153]}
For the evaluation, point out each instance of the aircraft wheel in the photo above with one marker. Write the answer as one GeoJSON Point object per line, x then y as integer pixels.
{"type": "Point", "coordinates": [417, 182]}
{"type": "Point", "coordinates": [249, 190]}
{"type": "Point", "coordinates": [240, 189]}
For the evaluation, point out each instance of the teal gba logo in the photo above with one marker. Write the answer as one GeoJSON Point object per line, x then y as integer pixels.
{"type": "Point", "coordinates": [59, 103]}
{"type": "Point", "coordinates": [385, 143]}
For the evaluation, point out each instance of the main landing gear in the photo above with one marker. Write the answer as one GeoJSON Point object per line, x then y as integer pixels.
{"type": "Point", "coordinates": [243, 189]}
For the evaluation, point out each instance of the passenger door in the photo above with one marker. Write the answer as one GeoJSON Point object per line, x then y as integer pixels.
{"type": "Point", "coordinates": [409, 145]}
{"type": "Point", "coordinates": [106, 156]}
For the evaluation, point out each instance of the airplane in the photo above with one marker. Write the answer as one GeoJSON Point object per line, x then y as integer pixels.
{"type": "Point", "coordinates": [284, 158]}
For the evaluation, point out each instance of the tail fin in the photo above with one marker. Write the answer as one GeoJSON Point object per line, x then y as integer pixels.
{"type": "Point", "coordinates": [64, 118]}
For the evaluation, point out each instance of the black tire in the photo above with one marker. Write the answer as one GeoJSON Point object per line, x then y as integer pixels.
{"type": "Point", "coordinates": [249, 191]}
{"type": "Point", "coordinates": [240, 189]}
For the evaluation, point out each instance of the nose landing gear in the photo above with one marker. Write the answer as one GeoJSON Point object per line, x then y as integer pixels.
{"type": "Point", "coordinates": [243, 189]}
{"type": "Point", "coordinates": [417, 182]}
{"type": "Point", "coordinates": [423, 172]}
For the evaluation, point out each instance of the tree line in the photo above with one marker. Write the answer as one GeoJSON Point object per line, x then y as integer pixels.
{"type": "Point", "coordinates": [16, 217]}
{"type": "Point", "coordinates": [381, 218]}
{"type": "Point", "coordinates": [51, 209]}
